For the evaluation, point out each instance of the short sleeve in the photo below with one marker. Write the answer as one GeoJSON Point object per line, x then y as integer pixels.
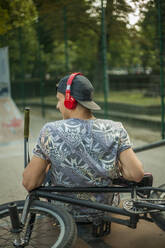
{"type": "Point", "coordinates": [41, 148]}
{"type": "Point", "coordinates": [124, 140]}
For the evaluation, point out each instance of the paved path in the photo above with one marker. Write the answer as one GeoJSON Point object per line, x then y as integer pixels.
{"type": "Point", "coordinates": [146, 235]}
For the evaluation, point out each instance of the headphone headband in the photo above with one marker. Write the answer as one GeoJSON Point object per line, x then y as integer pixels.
{"type": "Point", "coordinates": [70, 101]}
{"type": "Point", "coordinates": [70, 79]}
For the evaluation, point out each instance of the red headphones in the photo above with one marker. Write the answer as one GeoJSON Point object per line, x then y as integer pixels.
{"type": "Point", "coordinates": [70, 102]}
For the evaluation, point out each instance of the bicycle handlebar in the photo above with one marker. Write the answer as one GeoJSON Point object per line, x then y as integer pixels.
{"type": "Point", "coordinates": [26, 122]}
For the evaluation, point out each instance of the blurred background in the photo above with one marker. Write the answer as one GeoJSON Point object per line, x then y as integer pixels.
{"type": "Point", "coordinates": [117, 44]}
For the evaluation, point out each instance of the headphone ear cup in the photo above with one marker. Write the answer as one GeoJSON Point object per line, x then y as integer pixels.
{"type": "Point", "coordinates": [70, 103]}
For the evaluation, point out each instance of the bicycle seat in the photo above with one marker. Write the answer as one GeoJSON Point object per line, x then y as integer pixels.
{"type": "Point", "coordinates": [147, 180]}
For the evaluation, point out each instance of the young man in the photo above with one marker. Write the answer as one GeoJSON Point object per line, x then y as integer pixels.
{"type": "Point", "coordinates": [81, 150]}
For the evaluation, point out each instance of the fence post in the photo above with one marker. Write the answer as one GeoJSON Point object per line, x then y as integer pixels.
{"type": "Point", "coordinates": [161, 66]}
{"type": "Point", "coordinates": [42, 86]}
{"type": "Point", "coordinates": [21, 60]}
{"type": "Point", "coordinates": [41, 71]}
{"type": "Point", "coordinates": [66, 40]}
{"type": "Point", "coordinates": [104, 56]}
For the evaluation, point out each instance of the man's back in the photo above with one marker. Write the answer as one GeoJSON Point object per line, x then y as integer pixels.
{"type": "Point", "coordinates": [82, 152]}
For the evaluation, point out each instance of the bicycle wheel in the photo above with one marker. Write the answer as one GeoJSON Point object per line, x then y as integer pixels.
{"type": "Point", "coordinates": [159, 217]}
{"type": "Point", "coordinates": [53, 227]}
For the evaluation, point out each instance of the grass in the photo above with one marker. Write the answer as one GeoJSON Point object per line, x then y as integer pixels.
{"type": "Point", "coordinates": [130, 97]}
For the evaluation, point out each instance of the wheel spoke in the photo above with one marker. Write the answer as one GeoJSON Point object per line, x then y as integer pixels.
{"type": "Point", "coordinates": [49, 227]}
{"type": "Point", "coordinates": [44, 230]}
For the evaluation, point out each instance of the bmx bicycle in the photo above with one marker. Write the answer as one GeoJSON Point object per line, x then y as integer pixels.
{"type": "Point", "coordinates": [36, 222]}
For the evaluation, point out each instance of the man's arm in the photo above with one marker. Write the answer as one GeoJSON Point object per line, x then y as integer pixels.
{"type": "Point", "coordinates": [130, 166]}
{"type": "Point", "coordinates": [34, 174]}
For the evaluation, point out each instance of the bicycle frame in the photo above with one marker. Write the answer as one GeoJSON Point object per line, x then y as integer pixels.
{"type": "Point", "coordinates": [50, 193]}
{"type": "Point", "coordinates": [53, 193]}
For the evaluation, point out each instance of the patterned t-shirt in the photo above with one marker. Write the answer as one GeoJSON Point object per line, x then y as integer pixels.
{"type": "Point", "coordinates": [83, 153]}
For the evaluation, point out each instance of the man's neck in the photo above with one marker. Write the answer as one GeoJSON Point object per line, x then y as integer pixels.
{"type": "Point", "coordinates": [83, 115]}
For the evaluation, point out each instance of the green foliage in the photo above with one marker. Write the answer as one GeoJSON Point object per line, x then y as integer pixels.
{"type": "Point", "coordinates": [149, 34]}
{"type": "Point", "coordinates": [36, 32]}
{"type": "Point", "coordinates": [23, 51]}
{"type": "Point", "coordinates": [16, 13]}
{"type": "Point", "coordinates": [149, 43]}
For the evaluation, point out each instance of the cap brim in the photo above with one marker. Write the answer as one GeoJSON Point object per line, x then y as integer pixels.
{"type": "Point", "coordinates": [89, 105]}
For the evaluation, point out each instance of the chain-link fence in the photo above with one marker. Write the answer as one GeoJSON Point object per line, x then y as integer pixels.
{"type": "Point", "coordinates": [125, 64]}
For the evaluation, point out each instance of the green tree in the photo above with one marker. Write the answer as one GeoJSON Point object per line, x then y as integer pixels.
{"type": "Point", "coordinates": [80, 29]}
{"type": "Point", "coordinates": [41, 36]}
{"type": "Point", "coordinates": [16, 13]}
{"type": "Point", "coordinates": [149, 34]}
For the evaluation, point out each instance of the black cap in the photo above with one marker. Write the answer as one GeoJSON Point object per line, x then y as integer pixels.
{"type": "Point", "coordinates": [81, 90]}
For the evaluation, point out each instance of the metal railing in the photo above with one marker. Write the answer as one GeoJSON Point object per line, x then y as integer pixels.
{"type": "Point", "coordinates": [150, 146]}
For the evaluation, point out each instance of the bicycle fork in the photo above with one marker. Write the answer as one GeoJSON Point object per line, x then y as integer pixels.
{"type": "Point", "coordinates": [18, 225]}
{"type": "Point", "coordinates": [15, 223]}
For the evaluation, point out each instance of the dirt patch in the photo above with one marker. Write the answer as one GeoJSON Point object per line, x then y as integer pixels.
{"type": "Point", "coordinates": [146, 235]}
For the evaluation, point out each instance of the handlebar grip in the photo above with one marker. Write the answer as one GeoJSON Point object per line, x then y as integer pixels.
{"type": "Point", "coordinates": [26, 122]}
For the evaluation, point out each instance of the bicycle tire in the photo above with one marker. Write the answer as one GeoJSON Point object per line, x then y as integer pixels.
{"type": "Point", "coordinates": [159, 217]}
{"type": "Point", "coordinates": [51, 220]}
